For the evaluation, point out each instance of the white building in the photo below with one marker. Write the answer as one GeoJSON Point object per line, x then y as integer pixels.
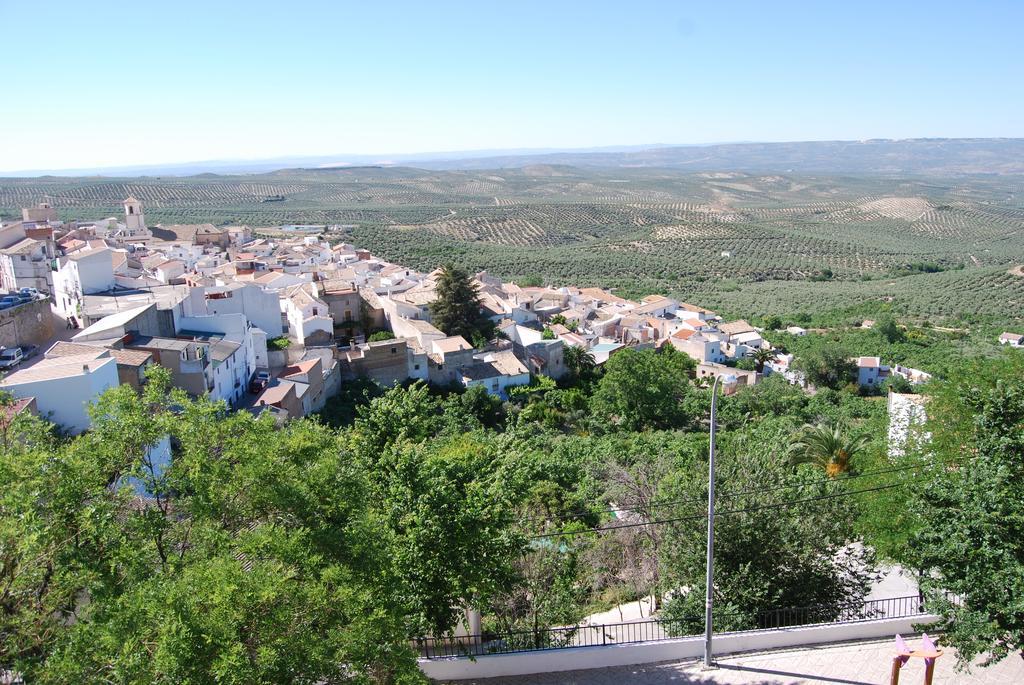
{"type": "Point", "coordinates": [698, 345]}
{"type": "Point", "coordinates": [496, 372]}
{"type": "Point", "coordinates": [1012, 339]}
{"type": "Point", "coordinates": [309, 318]}
{"type": "Point", "coordinates": [260, 306]}
{"type": "Point", "coordinates": [871, 371]}
{"type": "Point", "coordinates": [26, 264]}
{"type": "Point", "coordinates": [233, 351]}
{"type": "Point", "coordinates": [744, 344]}
{"type": "Point", "coordinates": [65, 386]}
{"type": "Point", "coordinates": [134, 229]}
{"type": "Point", "coordinates": [85, 272]}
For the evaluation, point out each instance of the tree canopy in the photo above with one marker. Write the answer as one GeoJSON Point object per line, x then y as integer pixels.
{"type": "Point", "coordinates": [770, 557]}
{"type": "Point", "coordinates": [456, 311]}
{"type": "Point", "coordinates": [968, 541]}
{"type": "Point", "coordinates": [257, 554]}
{"type": "Point", "coordinates": [645, 389]}
{"type": "Point", "coordinates": [827, 367]}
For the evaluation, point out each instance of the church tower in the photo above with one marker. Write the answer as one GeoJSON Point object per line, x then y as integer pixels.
{"type": "Point", "coordinates": [134, 219]}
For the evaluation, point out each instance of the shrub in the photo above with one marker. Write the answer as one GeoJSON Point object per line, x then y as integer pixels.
{"type": "Point", "coordinates": [280, 343]}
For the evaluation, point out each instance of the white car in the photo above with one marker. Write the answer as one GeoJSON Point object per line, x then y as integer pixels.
{"type": "Point", "coordinates": [11, 357]}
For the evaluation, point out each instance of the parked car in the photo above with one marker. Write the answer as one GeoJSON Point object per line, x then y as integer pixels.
{"type": "Point", "coordinates": [29, 351]}
{"type": "Point", "coordinates": [30, 292]}
{"type": "Point", "coordinates": [9, 301]}
{"type": "Point", "coordinates": [24, 298]}
{"type": "Point", "coordinates": [11, 357]}
{"type": "Point", "coordinates": [259, 382]}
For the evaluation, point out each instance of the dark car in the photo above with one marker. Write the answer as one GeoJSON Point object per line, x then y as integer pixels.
{"type": "Point", "coordinates": [259, 382]}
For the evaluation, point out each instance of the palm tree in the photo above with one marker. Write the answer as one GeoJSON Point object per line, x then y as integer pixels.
{"type": "Point", "coordinates": [764, 355]}
{"type": "Point", "coordinates": [827, 445]}
{"type": "Point", "coordinates": [579, 360]}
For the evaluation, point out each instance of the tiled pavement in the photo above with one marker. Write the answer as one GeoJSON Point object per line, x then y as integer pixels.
{"type": "Point", "coordinates": [861, 663]}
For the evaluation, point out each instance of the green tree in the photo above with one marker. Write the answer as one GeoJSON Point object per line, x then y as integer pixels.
{"type": "Point", "coordinates": [457, 309]}
{"type": "Point", "coordinates": [768, 557]}
{"type": "Point", "coordinates": [579, 361]}
{"type": "Point", "coordinates": [478, 405]}
{"type": "Point", "coordinates": [887, 328]}
{"type": "Point", "coordinates": [380, 336]}
{"type": "Point", "coordinates": [827, 446]}
{"type": "Point", "coordinates": [772, 322]}
{"type": "Point", "coordinates": [969, 544]}
{"type": "Point", "coordinates": [762, 356]}
{"type": "Point", "coordinates": [252, 556]}
{"type": "Point", "coordinates": [746, 364]}
{"type": "Point", "coordinates": [827, 366]}
{"type": "Point", "coordinates": [645, 389]}
{"type": "Point", "coordinates": [449, 525]}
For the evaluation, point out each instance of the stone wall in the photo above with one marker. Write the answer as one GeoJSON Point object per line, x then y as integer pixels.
{"type": "Point", "coordinates": [26, 324]}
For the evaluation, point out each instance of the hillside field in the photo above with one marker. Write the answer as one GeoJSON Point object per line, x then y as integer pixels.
{"type": "Point", "coordinates": [937, 248]}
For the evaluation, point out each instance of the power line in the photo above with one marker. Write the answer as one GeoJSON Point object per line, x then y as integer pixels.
{"type": "Point", "coordinates": [739, 493]}
{"type": "Point", "coordinates": [701, 517]}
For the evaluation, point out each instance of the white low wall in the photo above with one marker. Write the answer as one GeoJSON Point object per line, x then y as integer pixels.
{"type": "Point", "coordinates": [576, 658]}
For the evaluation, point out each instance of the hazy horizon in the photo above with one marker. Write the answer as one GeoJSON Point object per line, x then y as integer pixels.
{"type": "Point", "coordinates": [343, 159]}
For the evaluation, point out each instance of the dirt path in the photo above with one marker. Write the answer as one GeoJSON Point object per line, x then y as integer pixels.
{"type": "Point", "coordinates": [1018, 271]}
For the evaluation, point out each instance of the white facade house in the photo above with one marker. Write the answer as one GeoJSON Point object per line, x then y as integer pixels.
{"type": "Point", "coordinates": [698, 346]}
{"type": "Point", "coordinates": [1012, 339]}
{"type": "Point", "coordinates": [232, 352]}
{"type": "Point", "coordinates": [26, 264]}
{"type": "Point", "coordinates": [85, 272]}
{"type": "Point", "coordinates": [522, 335]}
{"type": "Point", "coordinates": [744, 344]}
{"type": "Point", "coordinates": [65, 386]}
{"type": "Point", "coordinates": [496, 372]}
{"type": "Point", "coordinates": [261, 307]}
{"type": "Point", "coordinates": [870, 371]}
{"type": "Point", "coordinates": [309, 317]}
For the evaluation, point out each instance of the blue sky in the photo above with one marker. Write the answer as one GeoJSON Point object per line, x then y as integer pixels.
{"type": "Point", "coordinates": [95, 84]}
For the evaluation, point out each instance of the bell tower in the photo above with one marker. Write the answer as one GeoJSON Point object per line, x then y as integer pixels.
{"type": "Point", "coordinates": [134, 219]}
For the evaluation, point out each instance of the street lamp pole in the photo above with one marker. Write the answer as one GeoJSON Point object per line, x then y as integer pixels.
{"type": "Point", "coordinates": [708, 581]}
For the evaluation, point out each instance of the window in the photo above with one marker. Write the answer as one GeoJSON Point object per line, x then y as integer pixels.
{"type": "Point", "coordinates": [416, 367]}
{"type": "Point", "coordinates": [394, 350]}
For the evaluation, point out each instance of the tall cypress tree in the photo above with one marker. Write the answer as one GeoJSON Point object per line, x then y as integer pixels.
{"type": "Point", "coordinates": [456, 311]}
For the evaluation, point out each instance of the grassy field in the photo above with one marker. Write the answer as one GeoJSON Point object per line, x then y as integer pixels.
{"type": "Point", "coordinates": [750, 244]}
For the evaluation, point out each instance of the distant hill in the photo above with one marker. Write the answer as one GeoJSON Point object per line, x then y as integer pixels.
{"type": "Point", "coordinates": [913, 157]}
{"type": "Point", "coordinates": [922, 156]}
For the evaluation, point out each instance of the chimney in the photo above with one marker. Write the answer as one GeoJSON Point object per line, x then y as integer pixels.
{"type": "Point", "coordinates": [85, 368]}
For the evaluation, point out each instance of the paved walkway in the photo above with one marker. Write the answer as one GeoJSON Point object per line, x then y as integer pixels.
{"type": "Point", "coordinates": [862, 663]}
